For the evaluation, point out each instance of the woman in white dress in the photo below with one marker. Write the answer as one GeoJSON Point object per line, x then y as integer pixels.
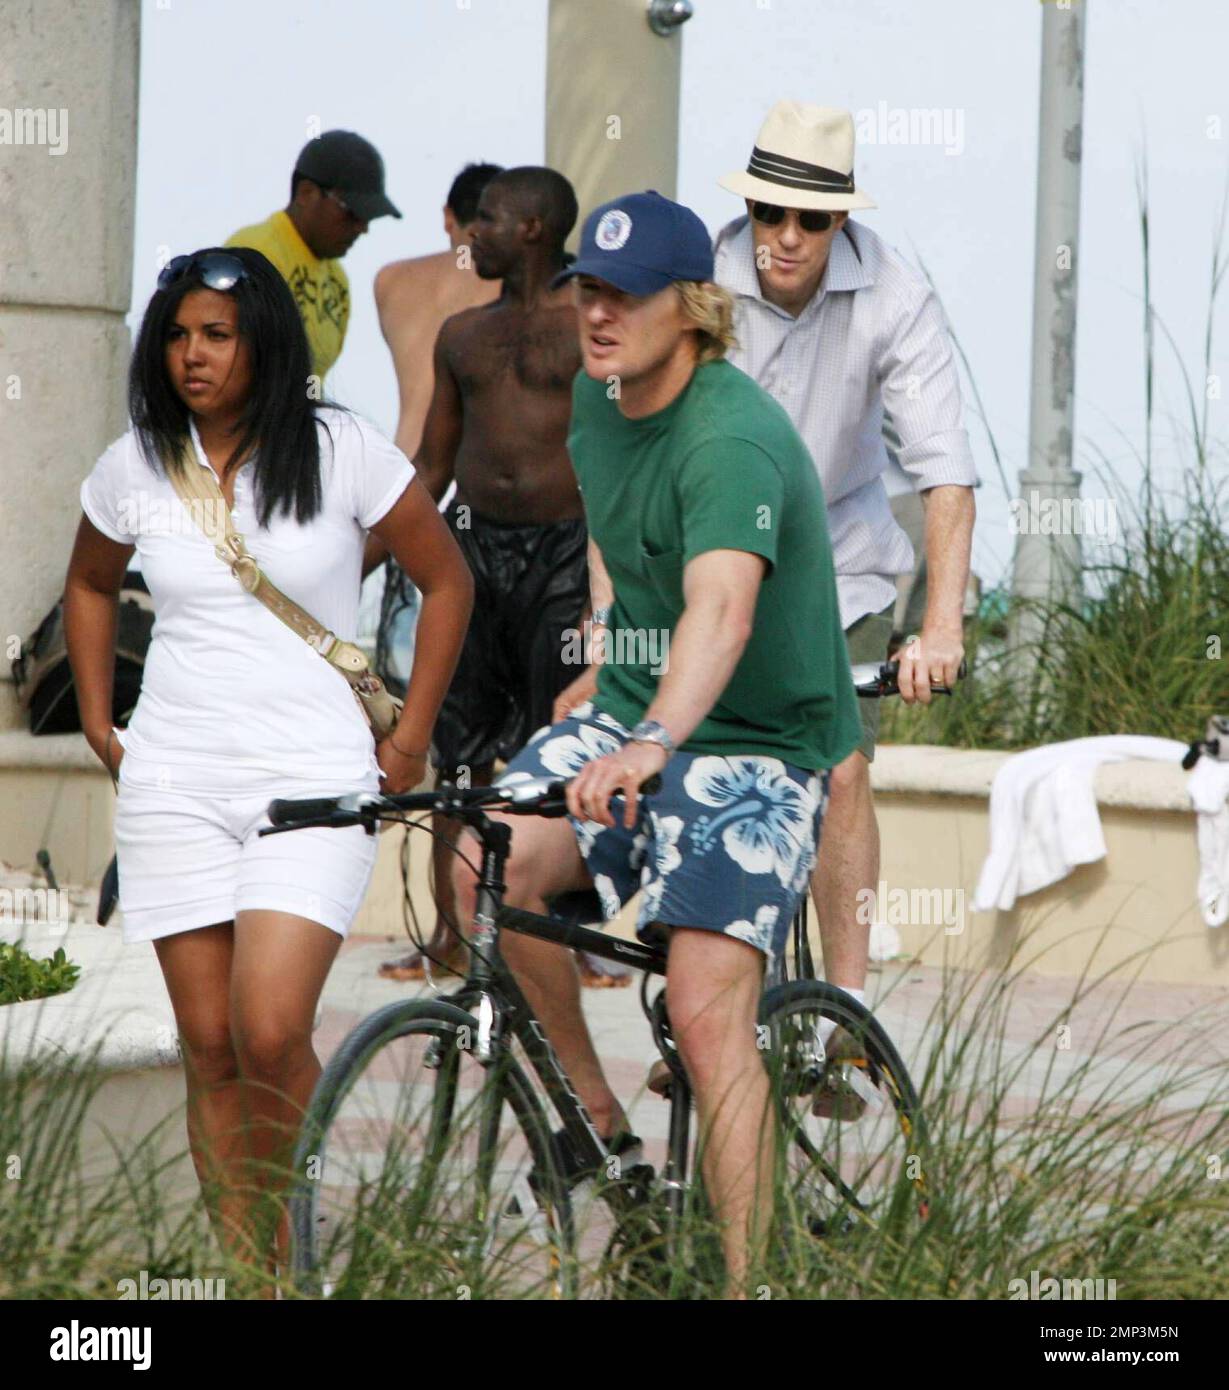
{"type": "Point", "coordinates": [237, 709]}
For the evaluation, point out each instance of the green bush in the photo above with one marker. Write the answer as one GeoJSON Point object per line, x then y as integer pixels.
{"type": "Point", "coordinates": [23, 977]}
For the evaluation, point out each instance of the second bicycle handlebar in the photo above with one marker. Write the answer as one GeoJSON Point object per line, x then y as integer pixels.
{"type": "Point", "coordinates": [534, 796]}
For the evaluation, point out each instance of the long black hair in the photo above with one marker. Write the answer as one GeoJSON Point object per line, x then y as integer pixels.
{"type": "Point", "coordinates": [280, 415]}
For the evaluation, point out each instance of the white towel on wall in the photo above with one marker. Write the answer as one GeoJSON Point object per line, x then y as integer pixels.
{"type": "Point", "coordinates": [1043, 813]}
{"type": "Point", "coordinates": [1208, 786]}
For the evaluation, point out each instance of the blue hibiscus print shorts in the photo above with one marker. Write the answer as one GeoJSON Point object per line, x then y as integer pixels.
{"type": "Point", "coordinates": [726, 845]}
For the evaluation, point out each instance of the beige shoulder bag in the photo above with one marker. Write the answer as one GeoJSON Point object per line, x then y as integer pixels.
{"type": "Point", "coordinates": [200, 493]}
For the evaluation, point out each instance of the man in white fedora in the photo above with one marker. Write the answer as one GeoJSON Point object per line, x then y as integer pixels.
{"type": "Point", "coordinates": [839, 328]}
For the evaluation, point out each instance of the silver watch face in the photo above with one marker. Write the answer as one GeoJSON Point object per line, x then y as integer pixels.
{"type": "Point", "coordinates": [649, 731]}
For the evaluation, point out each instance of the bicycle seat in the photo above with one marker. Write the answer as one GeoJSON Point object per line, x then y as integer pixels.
{"type": "Point", "coordinates": [580, 908]}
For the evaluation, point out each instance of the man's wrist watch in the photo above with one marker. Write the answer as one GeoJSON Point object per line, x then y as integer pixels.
{"type": "Point", "coordinates": [650, 731]}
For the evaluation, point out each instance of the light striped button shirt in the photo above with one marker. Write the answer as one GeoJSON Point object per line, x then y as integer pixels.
{"type": "Point", "coordinates": [872, 337]}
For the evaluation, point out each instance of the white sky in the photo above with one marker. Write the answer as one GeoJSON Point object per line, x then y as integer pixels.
{"type": "Point", "coordinates": [228, 91]}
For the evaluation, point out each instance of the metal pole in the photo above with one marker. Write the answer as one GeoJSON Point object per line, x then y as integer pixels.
{"type": "Point", "coordinates": [1047, 554]}
{"type": "Point", "coordinates": [612, 96]}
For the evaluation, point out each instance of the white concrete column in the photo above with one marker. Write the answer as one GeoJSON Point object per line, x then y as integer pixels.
{"type": "Point", "coordinates": [1048, 565]}
{"type": "Point", "coordinates": [612, 100]}
{"type": "Point", "coordinates": [68, 149]}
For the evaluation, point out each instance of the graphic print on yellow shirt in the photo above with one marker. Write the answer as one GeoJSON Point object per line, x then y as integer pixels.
{"type": "Point", "coordinates": [320, 288]}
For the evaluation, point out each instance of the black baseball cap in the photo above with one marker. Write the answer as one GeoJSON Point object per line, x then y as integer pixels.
{"type": "Point", "coordinates": [641, 243]}
{"type": "Point", "coordinates": [352, 167]}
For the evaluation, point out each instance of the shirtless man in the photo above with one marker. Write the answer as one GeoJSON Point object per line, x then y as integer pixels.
{"type": "Point", "coordinates": [498, 426]}
{"type": "Point", "coordinates": [413, 298]}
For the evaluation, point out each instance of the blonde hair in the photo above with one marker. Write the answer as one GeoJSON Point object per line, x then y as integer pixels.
{"type": "Point", "coordinates": [710, 311]}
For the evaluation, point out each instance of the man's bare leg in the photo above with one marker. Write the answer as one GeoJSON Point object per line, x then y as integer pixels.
{"type": "Point", "coordinates": [444, 944]}
{"type": "Point", "coordinates": [848, 864]}
{"type": "Point", "coordinates": [544, 863]}
{"type": "Point", "coordinates": [713, 985]}
{"type": "Point", "coordinates": [445, 950]}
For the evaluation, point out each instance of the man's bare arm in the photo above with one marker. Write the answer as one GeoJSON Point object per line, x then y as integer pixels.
{"type": "Point", "coordinates": [601, 595]}
{"type": "Point", "coordinates": [936, 658]}
{"type": "Point", "coordinates": [441, 435]}
{"type": "Point", "coordinates": [720, 590]}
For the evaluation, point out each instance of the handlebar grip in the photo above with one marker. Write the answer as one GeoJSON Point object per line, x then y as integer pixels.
{"type": "Point", "coordinates": [288, 812]}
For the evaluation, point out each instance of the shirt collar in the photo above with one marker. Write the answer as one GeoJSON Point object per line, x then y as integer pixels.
{"type": "Point", "coordinates": [291, 233]}
{"type": "Point", "coordinates": [849, 266]}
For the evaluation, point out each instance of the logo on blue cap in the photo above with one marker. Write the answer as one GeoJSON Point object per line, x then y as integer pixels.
{"type": "Point", "coordinates": [640, 243]}
{"type": "Point", "coordinates": [613, 230]}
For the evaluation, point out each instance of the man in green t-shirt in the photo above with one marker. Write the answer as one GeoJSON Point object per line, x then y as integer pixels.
{"type": "Point", "coordinates": [720, 664]}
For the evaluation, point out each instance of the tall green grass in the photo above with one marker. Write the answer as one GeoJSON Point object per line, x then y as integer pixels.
{"type": "Point", "coordinates": [1146, 649]}
{"type": "Point", "coordinates": [1108, 1161]}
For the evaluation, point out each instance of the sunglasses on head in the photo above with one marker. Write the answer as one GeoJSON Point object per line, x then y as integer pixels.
{"type": "Point", "coordinates": [216, 270]}
{"type": "Point", "coordinates": [809, 219]}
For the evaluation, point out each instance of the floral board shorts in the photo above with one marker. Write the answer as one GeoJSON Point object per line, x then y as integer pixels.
{"type": "Point", "coordinates": [726, 845]}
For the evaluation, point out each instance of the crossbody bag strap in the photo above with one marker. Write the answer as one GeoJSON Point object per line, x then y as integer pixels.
{"type": "Point", "coordinates": [200, 493]}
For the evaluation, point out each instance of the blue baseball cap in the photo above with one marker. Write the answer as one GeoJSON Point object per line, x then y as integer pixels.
{"type": "Point", "coordinates": [641, 243]}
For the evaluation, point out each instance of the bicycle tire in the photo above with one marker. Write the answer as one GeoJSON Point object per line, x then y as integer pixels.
{"type": "Point", "coordinates": [841, 1173]}
{"type": "Point", "coordinates": [417, 1236]}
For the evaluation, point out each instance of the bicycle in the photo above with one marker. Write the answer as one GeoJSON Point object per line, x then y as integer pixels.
{"type": "Point", "coordinates": [426, 1149]}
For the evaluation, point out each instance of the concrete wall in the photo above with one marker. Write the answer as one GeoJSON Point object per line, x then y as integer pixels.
{"type": "Point", "coordinates": [612, 101]}
{"type": "Point", "coordinates": [55, 795]}
{"type": "Point", "coordinates": [66, 226]}
{"type": "Point", "coordinates": [1135, 909]}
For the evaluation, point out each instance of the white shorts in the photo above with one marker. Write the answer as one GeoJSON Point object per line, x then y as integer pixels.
{"type": "Point", "coordinates": [188, 860]}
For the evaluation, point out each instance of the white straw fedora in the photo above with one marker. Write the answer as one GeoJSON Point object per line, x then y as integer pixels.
{"type": "Point", "coordinates": [803, 158]}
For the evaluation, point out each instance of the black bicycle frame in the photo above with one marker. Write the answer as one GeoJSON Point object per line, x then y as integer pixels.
{"type": "Point", "coordinates": [490, 992]}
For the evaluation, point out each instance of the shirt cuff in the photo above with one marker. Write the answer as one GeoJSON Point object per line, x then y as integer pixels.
{"type": "Point", "coordinates": [940, 459]}
{"type": "Point", "coordinates": [386, 503]}
{"type": "Point", "coordinates": [97, 522]}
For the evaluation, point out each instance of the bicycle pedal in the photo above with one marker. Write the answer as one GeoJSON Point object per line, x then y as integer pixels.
{"type": "Point", "coordinates": [845, 1092]}
{"type": "Point", "coordinates": [660, 1077]}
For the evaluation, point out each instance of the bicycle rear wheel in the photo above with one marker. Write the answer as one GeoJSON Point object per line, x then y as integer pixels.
{"type": "Point", "coordinates": [851, 1139]}
{"type": "Point", "coordinates": [422, 1173]}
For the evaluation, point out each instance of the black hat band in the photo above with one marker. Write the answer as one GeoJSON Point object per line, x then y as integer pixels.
{"type": "Point", "coordinates": [796, 173]}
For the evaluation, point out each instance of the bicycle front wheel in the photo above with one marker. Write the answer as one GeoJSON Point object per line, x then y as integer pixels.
{"type": "Point", "coordinates": [851, 1140]}
{"type": "Point", "coordinates": [423, 1173]}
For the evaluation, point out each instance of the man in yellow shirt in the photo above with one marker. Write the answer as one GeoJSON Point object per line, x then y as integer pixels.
{"type": "Point", "coordinates": [336, 189]}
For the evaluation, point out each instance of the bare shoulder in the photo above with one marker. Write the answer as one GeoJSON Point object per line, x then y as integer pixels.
{"type": "Point", "coordinates": [412, 276]}
{"type": "Point", "coordinates": [466, 323]}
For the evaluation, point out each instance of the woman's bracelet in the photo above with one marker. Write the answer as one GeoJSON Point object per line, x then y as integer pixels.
{"type": "Point", "coordinates": [422, 754]}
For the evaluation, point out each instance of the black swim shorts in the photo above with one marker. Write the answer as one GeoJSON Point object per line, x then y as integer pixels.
{"type": "Point", "coordinates": [531, 584]}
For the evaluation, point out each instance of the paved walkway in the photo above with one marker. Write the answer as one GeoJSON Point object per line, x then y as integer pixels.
{"type": "Point", "coordinates": [1113, 1045]}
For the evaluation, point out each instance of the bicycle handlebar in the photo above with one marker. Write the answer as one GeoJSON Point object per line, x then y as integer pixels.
{"type": "Point", "coordinates": [534, 796]}
{"type": "Point", "coordinates": [873, 680]}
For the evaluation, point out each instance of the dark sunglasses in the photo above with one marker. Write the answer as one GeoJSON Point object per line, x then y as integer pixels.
{"type": "Point", "coordinates": [216, 270]}
{"type": "Point", "coordinates": [809, 219]}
